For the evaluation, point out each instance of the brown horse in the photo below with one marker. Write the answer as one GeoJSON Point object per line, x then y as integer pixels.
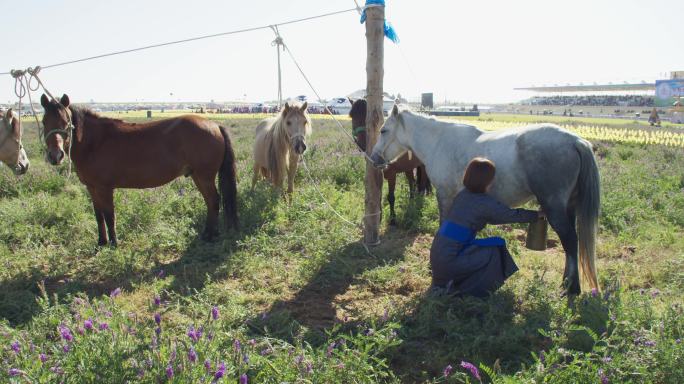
{"type": "Point", "coordinates": [405, 164]}
{"type": "Point", "coordinates": [109, 153]}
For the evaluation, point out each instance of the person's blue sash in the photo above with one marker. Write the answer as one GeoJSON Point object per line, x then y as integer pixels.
{"type": "Point", "coordinates": [466, 236]}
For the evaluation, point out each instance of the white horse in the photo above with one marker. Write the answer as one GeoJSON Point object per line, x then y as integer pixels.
{"type": "Point", "coordinates": [11, 151]}
{"type": "Point", "coordinates": [278, 144]}
{"type": "Point", "coordinates": [540, 161]}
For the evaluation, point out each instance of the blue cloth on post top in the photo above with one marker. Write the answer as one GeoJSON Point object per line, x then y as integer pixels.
{"type": "Point", "coordinates": [390, 33]}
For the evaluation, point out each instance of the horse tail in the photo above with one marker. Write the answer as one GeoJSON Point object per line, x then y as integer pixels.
{"type": "Point", "coordinates": [228, 182]}
{"type": "Point", "coordinates": [589, 197]}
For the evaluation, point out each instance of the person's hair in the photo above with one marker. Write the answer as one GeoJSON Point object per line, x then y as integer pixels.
{"type": "Point", "coordinates": [479, 174]}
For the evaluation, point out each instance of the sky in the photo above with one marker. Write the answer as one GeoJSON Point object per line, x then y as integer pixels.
{"type": "Point", "coordinates": [462, 51]}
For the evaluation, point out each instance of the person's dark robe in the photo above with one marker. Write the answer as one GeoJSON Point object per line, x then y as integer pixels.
{"type": "Point", "coordinates": [474, 267]}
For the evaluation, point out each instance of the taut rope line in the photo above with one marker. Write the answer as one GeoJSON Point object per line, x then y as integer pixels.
{"type": "Point", "coordinates": [193, 39]}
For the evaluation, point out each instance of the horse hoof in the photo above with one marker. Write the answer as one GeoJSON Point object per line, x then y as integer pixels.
{"type": "Point", "coordinates": [113, 244]}
{"type": "Point", "coordinates": [101, 243]}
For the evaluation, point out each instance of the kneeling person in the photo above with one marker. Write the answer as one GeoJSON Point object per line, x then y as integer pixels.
{"type": "Point", "coordinates": [461, 263]}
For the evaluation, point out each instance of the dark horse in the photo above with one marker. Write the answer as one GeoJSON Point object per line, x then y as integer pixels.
{"type": "Point", "coordinates": [109, 153]}
{"type": "Point", "coordinates": [405, 164]}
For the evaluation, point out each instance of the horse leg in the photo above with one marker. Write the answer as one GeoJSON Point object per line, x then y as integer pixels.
{"type": "Point", "coordinates": [99, 204]}
{"type": "Point", "coordinates": [207, 188]}
{"type": "Point", "coordinates": [292, 172]}
{"type": "Point", "coordinates": [564, 224]}
{"type": "Point", "coordinates": [443, 204]}
{"type": "Point", "coordinates": [411, 182]}
{"type": "Point", "coordinates": [391, 178]}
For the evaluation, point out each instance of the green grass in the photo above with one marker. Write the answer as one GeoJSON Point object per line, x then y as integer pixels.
{"type": "Point", "coordinates": [305, 300]}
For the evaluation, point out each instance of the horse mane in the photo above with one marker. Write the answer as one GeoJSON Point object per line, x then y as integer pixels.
{"type": "Point", "coordinates": [279, 144]}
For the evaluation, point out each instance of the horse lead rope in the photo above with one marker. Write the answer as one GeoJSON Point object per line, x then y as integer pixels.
{"type": "Point", "coordinates": [22, 87]}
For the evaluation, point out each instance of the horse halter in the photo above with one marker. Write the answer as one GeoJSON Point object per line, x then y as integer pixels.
{"type": "Point", "coordinates": [65, 133]}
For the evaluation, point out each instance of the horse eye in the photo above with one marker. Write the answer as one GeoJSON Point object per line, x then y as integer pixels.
{"type": "Point", "coordinates": [289, 123]}
{"type": "Point", "coordinates": [383, 131]}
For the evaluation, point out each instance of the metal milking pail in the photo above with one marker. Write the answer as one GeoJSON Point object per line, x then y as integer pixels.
{"type": "Point", "coordinates": [537, 234]}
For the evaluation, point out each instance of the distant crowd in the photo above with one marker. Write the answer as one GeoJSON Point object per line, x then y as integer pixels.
{"type": "Point", "coordinates": [596, 100]}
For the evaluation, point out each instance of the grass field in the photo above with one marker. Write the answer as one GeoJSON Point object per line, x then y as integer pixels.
{"type": "Point", "coordinates": [293, 297]}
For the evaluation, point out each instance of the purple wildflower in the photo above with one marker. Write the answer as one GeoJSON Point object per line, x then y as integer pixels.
{"type": "Point", "coordinates": [298, 360]}
{"type": "Point", "coordinates": [157, 318]}
{"type": "Point", "coordinates": [16, 347]}
{"type": "Point", "coordinates": [340, 366]}
{"type": "Point", "coordinates": [330, 349]}
{"type": "Point", "coordinates": [606, 359]}
{"type": "Point", "coordinates": [193, 334]}
{"type": "Point", "coordinates": [251, 342]}
{"type": "Point", "coordinates": [385, 315]}
{"type": "Point", "coordinates": [192, 355]}
{"type": "Point", "coordinates": [472, 369]}
{"type": "Point", "coordinates": [57, 370]}
{"type": "Point", "coordinates": [66, 333]}
{"type": "Point", "coordinates": [207, 364]}
{"type": "Point", "coordinates": [243, 379]}
{"type": "Point", "coordinates": [542, 357]}
{"type": "Point", "coordinates": [650, 343]}
{"type": "Point", "coordinates": [66, 348]}
{"type": "Point", "coordinates": [161, 274]}
{"type": "Point", "coordinates": [220, 371]}
{"type": "Point", "coordinates": [80, 330]}
{"type": "Point", "coordinates": [103, 326]}
{"type": "Point", "coordinates": [115, 293]}
{"type": "Point", "coordinates": [157, 331]}
{"type": "Point", "coordinates": [678, 341]}
{"type": "Point", "coordinates": [604, 378]}
{"type": "Point", "coordinates": [237, 345]}
{"type": "Point", "coordinates": [266, 351]}
{"type": "Point", "coordinates": [108, 313]}
{"type": "Point", "coordinates": [402, 269]}
{"type": "Point", "coordinates": [245, 358]}
{"type": "Point", "coordinates": [369, 332]}
{"type": "Point", "coordinates": [14, 372]}
{"type": "Point", "coordinates": [88, 324]}
{"type": "Point", "coordinates": [43, 357]}
{"type": "Point", "coordinates": [594, 292]}
{"type": "Point", "coordinates": [447, 370]}
{"type": "Point", "coordinates": [215, 312]}
{"type": "Point", "coordinates": [309, 368]}
{"type": "Point", "coordinates": [157, 301]}
{"type": "Point", "coordinates": [169, 371]}
{"type": "Point", "coordinates": [655, 293]}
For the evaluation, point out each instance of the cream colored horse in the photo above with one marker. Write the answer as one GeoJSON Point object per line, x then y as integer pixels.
{"type": "Point", "coordinates": [11, 151]}
{"type": "Point", "coordinates": [279, 142]}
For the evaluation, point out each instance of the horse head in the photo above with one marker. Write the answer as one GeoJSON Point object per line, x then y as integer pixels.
{"type": "Point", "coordinates": [388, 149]}
{"type": "Point", "coordinates": [297, 124]}
{"type": "Point", "coordinates": [358, 116]}
{"type": "Point", "coordinates": [11, 151]}
{"type": "Point", "coordinates": [57, 127]}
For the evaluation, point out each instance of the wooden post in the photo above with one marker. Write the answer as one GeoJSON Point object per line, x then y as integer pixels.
{"type": "Point", "coordinates": [374, 118]}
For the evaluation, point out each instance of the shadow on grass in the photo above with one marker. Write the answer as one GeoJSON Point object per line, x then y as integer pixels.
{"type": "Point", "coordinates": [313, 309]}
{"type": "Point", "coordinates": [200, 259]}
{"type": "Point", "coordinates": [437, 331]}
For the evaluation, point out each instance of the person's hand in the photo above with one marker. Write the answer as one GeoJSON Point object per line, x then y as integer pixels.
{"type": "Point", "coordinates": [541, 214]}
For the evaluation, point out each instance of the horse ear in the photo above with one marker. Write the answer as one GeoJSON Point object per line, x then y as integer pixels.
{"type": "Point", "coordinates": [303, 107]}
{"type": "Point", "coordinates": [350, 100]}
{"type": "Point", "coordinates": [395, 110]}
{"type": "Point", "coordinates": [286, 107]}
{"type": "Point", "coordinates": [44, 101]}
{"type": "Point", "coordinates": [16, 123]}
{"type": "Point", "coordinates": [65, 101]}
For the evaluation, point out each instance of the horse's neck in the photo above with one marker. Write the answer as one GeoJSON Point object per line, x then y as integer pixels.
{"type": "Point", "coordinates": [423, 136]}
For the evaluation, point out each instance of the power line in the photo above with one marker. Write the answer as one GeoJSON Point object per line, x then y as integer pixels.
{"type": "Point", "coordinates": [203, 37]}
